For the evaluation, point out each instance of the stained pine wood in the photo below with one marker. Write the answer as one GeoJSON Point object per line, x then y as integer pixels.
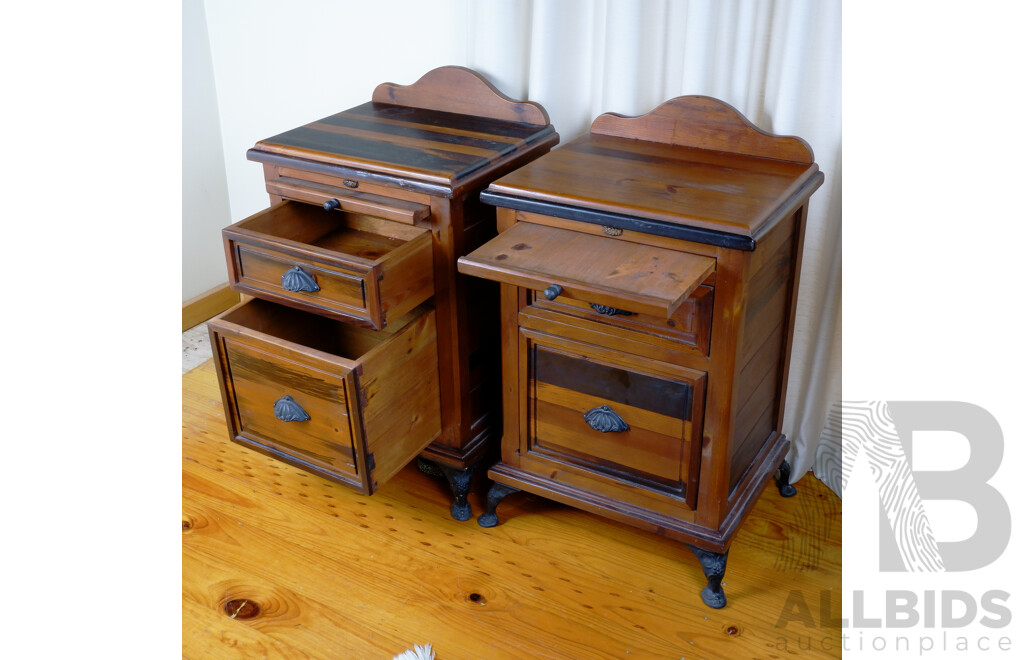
{"type": "Point", "coordinates": [460, 90]}
{"type": "Point", "coordinates": [371, 398]}
{"type": "Point", "coordinates": [689, 325]}
{"type": "Point", "coordinates": [702, 122]}
{"type": "Point", "coordinates": [637, 215]}
{"type": "Point", "coordinates": [303, 190]}
{"type": "Point", "coordinates": [723, 192]}
{"type": "Point", "coordinates": [313, 570]}
{"type": "Point", "coordinates": [640, 278]}
{"type": "Point", "coordinates": [368, 270]}
{"type": "Point", "coordinates": [418, 155]}
{"type": "Point", "coordinates": [445, 127]}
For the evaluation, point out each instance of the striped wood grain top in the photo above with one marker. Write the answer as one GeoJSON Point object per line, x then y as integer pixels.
{"type": "Point", "coordinates": [711, 190]}
{"type": "Point", "coordinates": [438, 147]}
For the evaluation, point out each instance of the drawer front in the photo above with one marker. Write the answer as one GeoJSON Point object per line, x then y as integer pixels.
{"type": "Point", "coordinates": [313, 284]}
{"type": "Point", "coordinates": [352, 267]}
{"type": "Point", "coordinates": [348, 403]}
{"type": "Point", "coordinates": [311, 425]}
{"type": "Point", "coordinates": [349, 195]}
{"type": "Point", "coordinates": [689, 328]}
{"type": "Point", "coordinates": [616, 417]}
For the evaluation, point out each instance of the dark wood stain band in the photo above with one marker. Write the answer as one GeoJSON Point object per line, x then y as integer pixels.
{"type": "Point", "coordinates": [665, 397]}
{"type": "Point", "coordinates": [378, 150]}
{"type": "Point", "coordinates": [619, 221]}
{"type": "Point", "coordinates": [412, 131]}
{"type": "Point", "coordinates": [527, 132]}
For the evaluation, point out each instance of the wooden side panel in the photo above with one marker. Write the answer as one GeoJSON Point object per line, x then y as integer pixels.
{"type": "Point", "coordinates": [407, 280]}
{"type": "Point", "coordinates": [479, 319]}
{"type": "Point", "coordinates": [399, 397]}
{"type": "Point", "coordinates": [762, 353]}
{"type": "Point", "coordinates": [720, 413]}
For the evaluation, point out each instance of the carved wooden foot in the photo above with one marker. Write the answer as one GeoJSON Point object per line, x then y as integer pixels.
{"type": "Point", "coordinates": [713, 564]}
{"type": "Point", "coordinates": [458, 481]}
{"type": "Point", "coordinates": [494, 497]}
{"type": "Point", "coordinates": [782, 480]}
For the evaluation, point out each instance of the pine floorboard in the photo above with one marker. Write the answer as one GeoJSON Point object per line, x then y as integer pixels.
{"type": "Point", "coordinates": [278, 563]}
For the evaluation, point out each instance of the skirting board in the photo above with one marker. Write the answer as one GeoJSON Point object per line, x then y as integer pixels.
{"type": "Point", "coordinates": [207, 305]}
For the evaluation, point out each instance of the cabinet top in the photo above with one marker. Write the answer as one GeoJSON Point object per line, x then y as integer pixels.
{"type": "Point", "coordinates": [441, 129]}
{"type": "Point", "coordinates": [692, 168]}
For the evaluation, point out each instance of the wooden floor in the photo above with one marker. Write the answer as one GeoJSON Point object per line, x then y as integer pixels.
{"type": "Point", "coordinates": [277, 563]}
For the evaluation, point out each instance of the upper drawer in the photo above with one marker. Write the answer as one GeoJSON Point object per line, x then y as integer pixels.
{"type": "Point", "coordinates": [349, 266]}
{"type": "Point", "coordinates": [560, 262]}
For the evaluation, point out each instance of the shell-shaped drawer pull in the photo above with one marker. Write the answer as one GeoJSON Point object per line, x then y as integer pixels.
{"type": "Point", "coordinates": [609, 311]}
{"type": "Point", "coordinates": [287, 410]}
{"type": "Point", "coordinates": [552, 292]}
{"type": "Point", "coordinates": [604, 419]}
{"type": "Point", "coordinates": [296, 279]}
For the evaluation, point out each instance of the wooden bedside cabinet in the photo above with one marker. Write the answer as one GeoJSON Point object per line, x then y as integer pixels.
{"type": "Point", "coordinates": [364, 347]}
{"type": "Point", "coordinates": [649, 273]}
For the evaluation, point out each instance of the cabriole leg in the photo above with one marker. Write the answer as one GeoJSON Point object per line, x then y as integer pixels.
{"type": "Point", "coordinates": [494, 497]}
{"type": "Point", "coordinates": [713, 565]}
{"type": "Point", "coordinates": [458, 480]}
{"type": "Point", "coordinates": [782, 480]}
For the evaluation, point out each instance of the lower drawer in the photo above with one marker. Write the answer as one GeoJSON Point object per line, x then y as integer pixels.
{"type": "Point", "coordinates": [600, 419]}
{"type": "Point", "coordinates": [347, 403]}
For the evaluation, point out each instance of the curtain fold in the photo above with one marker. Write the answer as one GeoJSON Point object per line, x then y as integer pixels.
{"type": "Point", "coordinates": [776, 61]}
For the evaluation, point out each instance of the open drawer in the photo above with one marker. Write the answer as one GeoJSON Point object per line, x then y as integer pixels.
{"type": "Point", "coordinates": [350, 266]}
{"type": "Point", "coordinates": [596, 270]}
{"type": "Point", "coordinates": [347, 403]}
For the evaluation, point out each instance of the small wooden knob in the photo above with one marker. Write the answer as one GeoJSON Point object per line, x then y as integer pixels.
{"type": "Point", "coordinates": [331, 204]}
{"type": "Point", "coordinates": [552, 292]}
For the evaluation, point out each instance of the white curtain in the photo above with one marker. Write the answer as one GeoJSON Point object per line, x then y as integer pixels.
{"type": "Point", "coordinates": [776, 61]}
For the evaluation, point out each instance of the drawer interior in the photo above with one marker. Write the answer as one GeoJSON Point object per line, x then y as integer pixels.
{"type": "Point", "coordinates": [354, 234]}
{"type": "Point", "coordinates": [311, 330]}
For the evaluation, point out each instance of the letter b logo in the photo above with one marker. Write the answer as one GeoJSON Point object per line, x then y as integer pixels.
{"type": "Point", "coordinates": [883, 430]}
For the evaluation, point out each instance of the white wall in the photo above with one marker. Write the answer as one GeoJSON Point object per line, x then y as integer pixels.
{"type": "Point", "coordinates": [204, 199]}
{"type": "Point", "coordinates": [277, 65]}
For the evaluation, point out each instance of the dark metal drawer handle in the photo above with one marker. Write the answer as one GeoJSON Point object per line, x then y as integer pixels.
{"type": "Point", "coordinates": [286, 410]}
{"type": "Point", "coordinates": [609, 311]}
{"type": "Point", "coordinates": [604, 419]}
{"type": "Point", "coordinates": [297, 279]}
{"type": "Point", "coordinates": [552, 292]}
{"type": "Point", "coordinates": [331, 204]}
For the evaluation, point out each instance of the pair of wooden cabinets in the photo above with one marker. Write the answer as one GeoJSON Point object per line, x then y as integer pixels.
{"type": "Point", "coordinates": [623, 319]}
